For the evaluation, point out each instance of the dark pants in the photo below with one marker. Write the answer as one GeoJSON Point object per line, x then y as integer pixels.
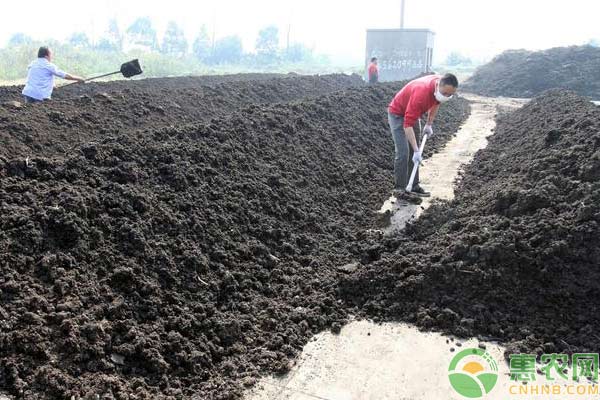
{"type": "Point", "coordinates": [403, 164]}
{"type": "Point", "coordinates": [29, 99]}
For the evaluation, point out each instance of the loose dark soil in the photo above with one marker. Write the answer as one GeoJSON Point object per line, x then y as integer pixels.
{"type": "Point", "coordinates": [192, 82]}
{"type": "Point", "coordinates": [180, 256]}
{"type": "Point", "coordinates": [82, 113]}
{"type": "Point", "coordinates": [522, 73]}
{"type": "Point", "coordinates": [186, 82]}
{"type": "Point", "coordinates": [515, 256]}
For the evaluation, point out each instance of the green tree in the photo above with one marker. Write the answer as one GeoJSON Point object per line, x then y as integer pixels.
{"type": "Point", "coordinates": [174, 42]}
{"type": "Point", "coordinates": [114, 35]}
{"type": "Point", "coordinates": [202, 47]}
{"type": "Point", "coordinates": [19, 39]}
{"type": "Point", "coordinates": [267, 42]}
{"type": "Point", "coordinates": [298, 52]}
{"type": "Point", "coordinates": [227, 50]}
{"type": "Point", "coordinates": [104, 44]}
{"type": "Point", "coordinates": [141, 33]}
{"type": "Point", "coordinates": [79, 39]}
{"type": "Point", "coordinates": [455, 58]}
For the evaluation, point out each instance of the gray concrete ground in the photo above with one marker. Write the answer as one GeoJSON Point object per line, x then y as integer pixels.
{"type": "Point", "coordinates": [388, 362]}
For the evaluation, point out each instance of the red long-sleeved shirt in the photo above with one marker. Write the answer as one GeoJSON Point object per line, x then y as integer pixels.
{"type": "Point", "coordinates": [415, 99]}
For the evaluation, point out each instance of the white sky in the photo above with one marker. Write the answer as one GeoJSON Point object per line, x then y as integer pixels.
{"type": "Point", "coordinates": [478, 28]}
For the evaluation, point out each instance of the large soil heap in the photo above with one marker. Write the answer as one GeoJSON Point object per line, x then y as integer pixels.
{"type": "Point", "coordinates": [175, 255]}
{"type": "Point", "coordinates": [81, 113]}
{"type": "Point", "coordinates": [522, 73]}
{"type": "Point", "coordinates": [67, 89]}
{"type": "Point", "coordinates": [516, 255]}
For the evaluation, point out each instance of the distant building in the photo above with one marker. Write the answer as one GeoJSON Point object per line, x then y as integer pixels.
{"type": "Point", "coordinates": [401, 53]}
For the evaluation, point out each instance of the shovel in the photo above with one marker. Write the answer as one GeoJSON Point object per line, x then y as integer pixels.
{"type": "Point", "coordinates": [416, 165]}
{"type": "Point", "coordinates": [128, 69]}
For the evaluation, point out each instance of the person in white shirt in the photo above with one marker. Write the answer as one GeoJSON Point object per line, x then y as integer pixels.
{"type": "Point", "coordinates": [40, 77]}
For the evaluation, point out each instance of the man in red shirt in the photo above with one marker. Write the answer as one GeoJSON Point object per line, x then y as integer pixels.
{"type": "Point", "coordinates": [373, 71]}
{"type": "Point", "coordinates": [417, 97]}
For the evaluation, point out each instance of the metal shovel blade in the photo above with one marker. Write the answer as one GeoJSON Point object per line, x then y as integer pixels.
{"type": "Point", "coordinates": [131, 68]}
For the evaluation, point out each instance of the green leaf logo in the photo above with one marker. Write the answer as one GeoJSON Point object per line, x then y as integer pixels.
{"type": "Point", "coordinates": [473, 373]}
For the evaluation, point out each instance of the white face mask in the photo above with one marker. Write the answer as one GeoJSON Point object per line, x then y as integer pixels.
{"type": "Point", "coordinates": [439, 96]}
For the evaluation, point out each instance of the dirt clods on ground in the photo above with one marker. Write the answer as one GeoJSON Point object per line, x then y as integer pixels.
{"type": "Point", "coordinates": [91, 112]}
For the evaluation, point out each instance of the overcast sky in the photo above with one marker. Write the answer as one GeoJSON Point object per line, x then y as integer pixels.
{"type": "Point", "coordinates": [478, 28]}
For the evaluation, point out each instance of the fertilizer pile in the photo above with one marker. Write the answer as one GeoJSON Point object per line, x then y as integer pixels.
{"type": "Point", "coordinates": [522, 73]}
{"type": "Point", "coordinates": [185, 258]}
{"type": "Point", "coordinates": [81, 113]}
{"type": "Point", "coordinates": [187, 82]}
{"type": "Point", "coordinates": [515, 256]}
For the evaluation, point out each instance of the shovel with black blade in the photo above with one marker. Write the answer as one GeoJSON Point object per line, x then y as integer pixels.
{"type": "Point", "coordinates": [128, 69]}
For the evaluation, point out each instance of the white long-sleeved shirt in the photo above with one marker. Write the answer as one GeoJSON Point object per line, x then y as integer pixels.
{"type": "Point", "coordinates": [40, 79]}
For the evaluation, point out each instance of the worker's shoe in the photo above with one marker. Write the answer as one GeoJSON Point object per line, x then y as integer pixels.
{"type": "Point", "coordinates": [397, 193]}
{"type": "Point", "coordinates": [403, 196]}
{"type": "Point", "coordinates": [419, 191]}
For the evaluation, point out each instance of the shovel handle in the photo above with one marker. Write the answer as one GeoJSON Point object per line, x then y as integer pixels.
{"type": "Point", "coordinates": [92, 78]}
{"type": "Point", "coordinates": [413, 174]}
{"type": "Point", "coordinates": [102, 76]}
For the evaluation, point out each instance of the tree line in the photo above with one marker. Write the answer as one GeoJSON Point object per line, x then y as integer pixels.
{"type": "Point", "coordinates": [141, 35]}
{"type": "Point", "coordinates": [172, 55]}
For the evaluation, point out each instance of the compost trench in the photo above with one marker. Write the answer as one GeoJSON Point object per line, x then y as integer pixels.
{"type": "Point", "coordinates": [523, 73]}
{"type": "Point", "coordinates": [515, 256]}
{"type": "Point", "coordinates": [168, 239]}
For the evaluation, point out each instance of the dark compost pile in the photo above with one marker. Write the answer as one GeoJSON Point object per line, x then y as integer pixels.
{"type": "Point", "coordinates": [163, 252]}
{"type": "Point", "coordinates": [522, 73]}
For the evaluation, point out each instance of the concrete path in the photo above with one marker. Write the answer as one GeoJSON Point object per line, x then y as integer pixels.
{"type": "Point", "coordinates": [395, 361]}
